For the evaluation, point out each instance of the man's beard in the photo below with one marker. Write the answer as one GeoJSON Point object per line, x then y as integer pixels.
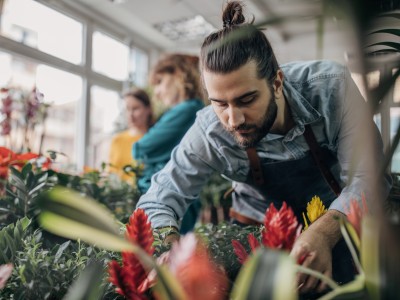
{"type": "Point", "coordinates": [260, 130]}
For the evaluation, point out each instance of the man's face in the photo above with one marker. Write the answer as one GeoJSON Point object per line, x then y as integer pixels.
{"type": "Point", "coordinates": [244, 104]}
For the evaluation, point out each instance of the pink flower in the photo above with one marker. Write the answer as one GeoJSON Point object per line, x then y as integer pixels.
{"type": "Point", "coordinates": [5, 273]}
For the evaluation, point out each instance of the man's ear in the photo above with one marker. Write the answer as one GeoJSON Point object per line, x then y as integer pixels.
{"type": "Point", "coordinates": [278, 82]}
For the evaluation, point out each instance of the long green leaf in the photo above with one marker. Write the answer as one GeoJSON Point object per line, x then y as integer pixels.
{"type": "Point", "coordinates": [88, 285]}
{"type": "Point", "coordinates": [351, 239]}
{"type": "Point", "coordinates": [72, 205]}
{"type": "Point", "coordinates": [370, 255]}
{"type": "Point", "coordinates": [268, 274]}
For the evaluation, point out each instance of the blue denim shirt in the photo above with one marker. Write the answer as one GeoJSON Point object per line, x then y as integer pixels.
{"type": "Point", "coordinates": [320, 93]}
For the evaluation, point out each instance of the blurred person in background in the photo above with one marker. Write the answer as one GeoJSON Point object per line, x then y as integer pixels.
{"type": "Point", "coordinates": [139, 118]}
{"type": "Point", "coordinates": [176, 82]}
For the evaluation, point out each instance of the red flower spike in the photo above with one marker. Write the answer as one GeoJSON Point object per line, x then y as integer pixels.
{"type": "Point", "coordinates": [130, 279]}
{"type": "Point", "coordinates": [240, 251]}
{"type": "Point", "coordinates": [281, 228]}
{"type": "Point", "coordinates": [253, 242]}
{"type": "Point", "coordinates": [115, 277]}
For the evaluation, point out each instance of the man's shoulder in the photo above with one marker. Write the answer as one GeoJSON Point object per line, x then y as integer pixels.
{"type": "Point", "coordinates": [307, 71]}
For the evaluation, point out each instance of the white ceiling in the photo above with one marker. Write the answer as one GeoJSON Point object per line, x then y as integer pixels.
{"type": "Point", "coordinates": [292, 40]}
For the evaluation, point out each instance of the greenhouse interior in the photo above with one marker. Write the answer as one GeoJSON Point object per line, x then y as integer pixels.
{"type": "Point", "coordinates": [143, 147]}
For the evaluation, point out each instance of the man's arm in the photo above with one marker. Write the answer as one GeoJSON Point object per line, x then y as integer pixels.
{"type": "Point", "coordinates": [179, 183]}
{"type": "Point", "coordinates": [359, 149]}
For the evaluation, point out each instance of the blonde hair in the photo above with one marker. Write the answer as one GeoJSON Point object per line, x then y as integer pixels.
{"type": "Point", "coordinates": [187, 65]}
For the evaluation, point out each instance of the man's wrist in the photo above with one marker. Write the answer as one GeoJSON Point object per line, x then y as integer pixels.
{"type": "Point", "coordinates": [328, 227]}
{"type": "Point", "coordinates": [168, 234]}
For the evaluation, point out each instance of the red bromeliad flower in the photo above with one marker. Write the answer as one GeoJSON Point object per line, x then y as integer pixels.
{"type": "Point", "coordinates": [130, 279]}
{"type": "Point", "coordinates": [355, 213]}
{"type": "Point", "coordinates": [281, 228]}
{"type": "Point", "coordinates": [280, 232]}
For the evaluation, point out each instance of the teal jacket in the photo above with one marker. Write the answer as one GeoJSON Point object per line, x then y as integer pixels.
{"type": "Point", "coordinates": [155, 147]}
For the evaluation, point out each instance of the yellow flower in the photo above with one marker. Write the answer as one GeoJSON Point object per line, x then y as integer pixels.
{"type": "Point", "coordinates": [315, 209]}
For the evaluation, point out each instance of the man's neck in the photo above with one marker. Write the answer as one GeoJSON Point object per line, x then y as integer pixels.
{"type": "Point", "coordinates": [284, 120]}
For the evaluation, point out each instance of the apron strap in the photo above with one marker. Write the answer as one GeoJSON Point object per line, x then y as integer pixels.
{"type": "Point", "coordinates": [255, 166]}
{"type": "Point", "coordinates": [318, 158]}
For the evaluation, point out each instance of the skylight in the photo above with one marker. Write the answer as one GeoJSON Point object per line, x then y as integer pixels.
{"type": "Point", "coordinates": [185, 29]}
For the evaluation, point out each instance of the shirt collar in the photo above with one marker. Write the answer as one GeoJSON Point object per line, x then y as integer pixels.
{"type": "Point", "coordinates": [302, 111]}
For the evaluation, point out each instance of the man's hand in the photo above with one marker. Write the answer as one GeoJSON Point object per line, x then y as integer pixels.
{"type": "Point", "coordinates": [314, 249]}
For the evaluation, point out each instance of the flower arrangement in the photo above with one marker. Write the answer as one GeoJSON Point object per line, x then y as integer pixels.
{"type": "Point", "coordinates": [20, 115]}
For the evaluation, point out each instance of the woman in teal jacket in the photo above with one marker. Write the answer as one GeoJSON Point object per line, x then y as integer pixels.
{"type": "Point", "coordinates": [176, 82]}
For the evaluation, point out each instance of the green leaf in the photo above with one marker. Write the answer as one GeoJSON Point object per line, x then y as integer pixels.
{"type": "Point", "coordinates": [60, 250]}
{"type": "Point", "coordinates": [168, 287]}
{"type": "Point", "coordinates": [26, 169]}
{"type": "Point", "coordinates": [88, 285]}
{"type": "Point", "coordinates": [261, 277]}
{"type": "Point", "coordinates": [351, 238]}
{"type": "Point", "coordinates": [370, 255]}
{"type": "Point", "coordinates": [73, 206]}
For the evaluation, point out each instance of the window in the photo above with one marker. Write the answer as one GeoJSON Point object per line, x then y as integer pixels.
{"type": "Point", "coordinates": [61, 92]}
{"type": "Point", "coordinates": [38, 26]}
{"type": "Point", "coordinates": [138, 67]}
{"type": "Point", "coordinates": [394, 125]}
{"type": "Point", "coordinates": [104, 117]}
{"type": "Point", "coordinates": [110, 57]}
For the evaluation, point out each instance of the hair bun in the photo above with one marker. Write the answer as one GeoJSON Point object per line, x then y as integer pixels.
{"type": "Point", "coordinates": [233, 14]}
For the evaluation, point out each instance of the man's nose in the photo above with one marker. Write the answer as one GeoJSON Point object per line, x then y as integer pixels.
{"type": "Point", "coordinates": [236, 117]}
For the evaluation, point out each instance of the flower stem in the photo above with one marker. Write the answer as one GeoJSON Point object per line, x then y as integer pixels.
{"type": "Point", "coordinates": [332, 284]}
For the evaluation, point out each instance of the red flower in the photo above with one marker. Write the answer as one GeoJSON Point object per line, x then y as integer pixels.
{"type": "Point", "coordinates": [130, 279]}
{"type": "Point", "coordinates": [281, 228]}
{"type": "Point", "coordinates": [9, 158]}
{"type": "Point", "coordinates": [280, 232]}
{"type": "Point", "coordinates": [240, 251]}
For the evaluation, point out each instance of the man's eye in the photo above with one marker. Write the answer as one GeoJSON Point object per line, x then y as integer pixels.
{"type": "Point", "coordinates": [248, 100]}
{"type": "Point", "coordinates": [221, 104]}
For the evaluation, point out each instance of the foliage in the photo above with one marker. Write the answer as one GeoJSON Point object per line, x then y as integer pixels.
{"type": "Point", "coordinates": [44, 268]}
